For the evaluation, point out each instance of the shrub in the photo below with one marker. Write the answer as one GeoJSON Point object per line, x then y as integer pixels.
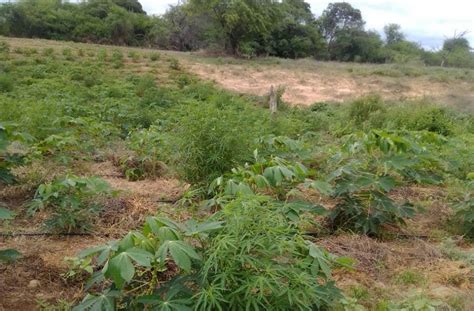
{"type": "Point", "coordinates": [67, 53]}
{"type": "Point", "coordinates": [174, 64]}
{"type": "Point", "coordinates": [464, 212]}
{"type": "Point", "coordinates": [4, 47]}
{"type": "Point", "coordinates": [6, 83]}
{"type": "Point", "coordinates": [211, 140]}
{"type": "Point", "coordinates": [423, 117]}
{"type": "Point", "coordinates": [371, 165]}
{"type": "Point", "coordinates": [154, 56]}
{"type": "Point", "coordinates": [147, 147]}
{"type": "Point", "coordinates": [48, 52]}
{"type": "Point", "coordinates": [117, 59]}
{"type": "Point", "coordinates": [102, 55]}
{"type": "Point", "coordinates": [134, 56]}
{"type": "Point", "coordinates": [250, 255]}
{"type": "Point", "coordinates": [361, 109]}
{"type": "Point", "coordinates": [144, 84]}
{"type": "Point", "coordinates": [70, 200]}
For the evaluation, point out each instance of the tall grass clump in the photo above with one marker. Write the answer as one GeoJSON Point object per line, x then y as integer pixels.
{"type": "Point", "coordinates": [362, 109]}
{"type": "Point", "coordinates": [211, 139]}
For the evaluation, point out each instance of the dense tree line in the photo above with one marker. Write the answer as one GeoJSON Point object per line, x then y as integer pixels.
{"type": "Point", "coordinates": [285, 28]}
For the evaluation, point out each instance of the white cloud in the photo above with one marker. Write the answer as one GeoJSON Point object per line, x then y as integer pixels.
{"type": "Point", "coordinates": [426, 21]}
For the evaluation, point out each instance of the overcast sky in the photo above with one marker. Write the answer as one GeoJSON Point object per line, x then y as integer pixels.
{"type": "Point", "coordinates": [428, 22]}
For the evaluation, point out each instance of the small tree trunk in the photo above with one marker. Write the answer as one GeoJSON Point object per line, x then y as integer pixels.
{"type": "Point", "coordinates": [273, 100]}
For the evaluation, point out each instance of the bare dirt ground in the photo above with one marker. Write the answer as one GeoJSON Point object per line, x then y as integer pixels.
{"type": "Point", "coordinates": [307, 82]}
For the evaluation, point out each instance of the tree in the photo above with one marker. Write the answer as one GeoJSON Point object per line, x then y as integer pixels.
{"type": "Point", "coordinates": [393, 34]}
{"type": "Point", "coordinates": [457, 51]}
{"type": "Point", "coordinates": [356, 45]}
{"type": "Point", "coordinates": [130, 5]}
{"type": "Point", "coordinates": [246, 23]}
{"type": "Point", "coordinates": [340, 17]}
{"type": "Point", "coordinates": [296, 34]}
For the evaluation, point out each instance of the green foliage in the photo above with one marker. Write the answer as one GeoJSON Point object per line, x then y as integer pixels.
{"type": "Point", "coordinates": [154, 56]}
{"type": "Point", "coordinates": [251, 246]}
{"type": "Point", "coordinates": [117, 59]}
{"type": "Point", "coordinates": [70, 200]}
{"type": "Point", "coordinates": [6, 83]}
{"type": "Point", "coordinates": [369, 167]}
{"type": "Point", "coordinates": [4, 47]}
{"type": "Point", "coordinates": [254, 259]}
{"type": "Point", "coordinates": [8, 255]}
{"type": "Point", "coordinates": [464, 211]}
{"type": "Point", "coordinates": [148, 148]}
{"type": "Point", "coordinates": [9, 159]}
{"type": "Point", "coordinates": [212, 138]}
{"type": "Point", "coordinates": [360, 110]}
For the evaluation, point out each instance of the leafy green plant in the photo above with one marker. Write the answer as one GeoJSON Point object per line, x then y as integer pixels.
{"type": "Point", "coordinates": [6, 83]}
{"type": "Point", "coordinates": [117, 59]}
{"type": "Point", "coordinates": [70, 201]}
{"type": "Point", "coordinates": [211, 139]}
{"type": "Point", "coordinates": [250, 255]}
{"type": "Point", "coordinates": [370, 166]}
{"type": "Point", "coordinates": [154, 56]}
{"type": "Point", "coordinates": [48, 52]}
{"type": "Point", "coordinates": [8, 255]}
{"type": "Point", "coordinates": [464, 211]}
{"type": "Point", "coordinates": [4, 47]}
{"type": "Point", "coordinates": [67, 53]}
{"type": "Point", "coordinates": [360, 110]}
{"type": "Point", "coordinates": [147, 147]}
{"type": "Point", "coordinates": [8, 160]}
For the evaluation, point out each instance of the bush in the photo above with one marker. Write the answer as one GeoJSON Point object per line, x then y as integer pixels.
{"type": "Point", "coordinates": [48, 52]}
{"type": "Point", "coordinates": [250, 255]}
{"type": "Point", "coordinates": [6, 83]}
{"type": "Point", "coordinates": [360, 110]}
{"type": "Point", "coordinates": [147, 147]}
{"type": "Point", "coordinates": [264, 261]}
{"type": "Point", "coordinates": [67, 53]}
{"type": "Point", "coordinates": [4, 47]}
{"type": "Point", "coordinates": [464, 211]}
{"type": "Point", "coordinates": [211, 139]}
{"type": "Point", "coordinates": [70, 200]}
{"type": "Point", "coordinates": [117, 59]}
{"type": "Point", "coordinates": [154, 56]}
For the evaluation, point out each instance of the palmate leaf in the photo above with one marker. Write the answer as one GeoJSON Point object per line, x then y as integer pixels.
{"type": "Point", "coordinates": [159, 304]}
{"type": "Point", "coordinates": [104, 302]}
{"type": "Point", "coordinates": [6, 214]}
{"type": "Point", "coordinates": [9, 255]}
{"type": "Point", "coordinates": [121, 269]}
{"type": "Point", "coordinates": [180, 252]}
{"type": "Point", "coordinates": [193, 228]}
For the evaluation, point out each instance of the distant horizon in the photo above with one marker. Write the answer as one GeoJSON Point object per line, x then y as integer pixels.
{"type": "Point", "coordinates": [422, 21]}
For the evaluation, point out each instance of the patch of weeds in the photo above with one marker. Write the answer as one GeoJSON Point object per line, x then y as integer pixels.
{"type": "Point", "coordinates": [70, 201]}
{"type": "Point", "coordinates": [4, 47]}
{"type": "Point", "coordinates": [48, 52]}
{"type": "Point", "coordinates": [410, 277]}
{"type": "Point", "coordinates": [453, 252]}
{"type": "Point", "coordinates": [6, 83]}
{"type": "Point", "coordinates": [67, 53]}
{"type": "Point", "coordinates": [134, 56]}
{"type": "Point", "coordinates": [102, 55]}
{"type": "Point", "coordinates": [154, 56]}
{"type": "Point", "coordinates": [174, 64]}
{"type": "Point", "coordinates": [117, 59]}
